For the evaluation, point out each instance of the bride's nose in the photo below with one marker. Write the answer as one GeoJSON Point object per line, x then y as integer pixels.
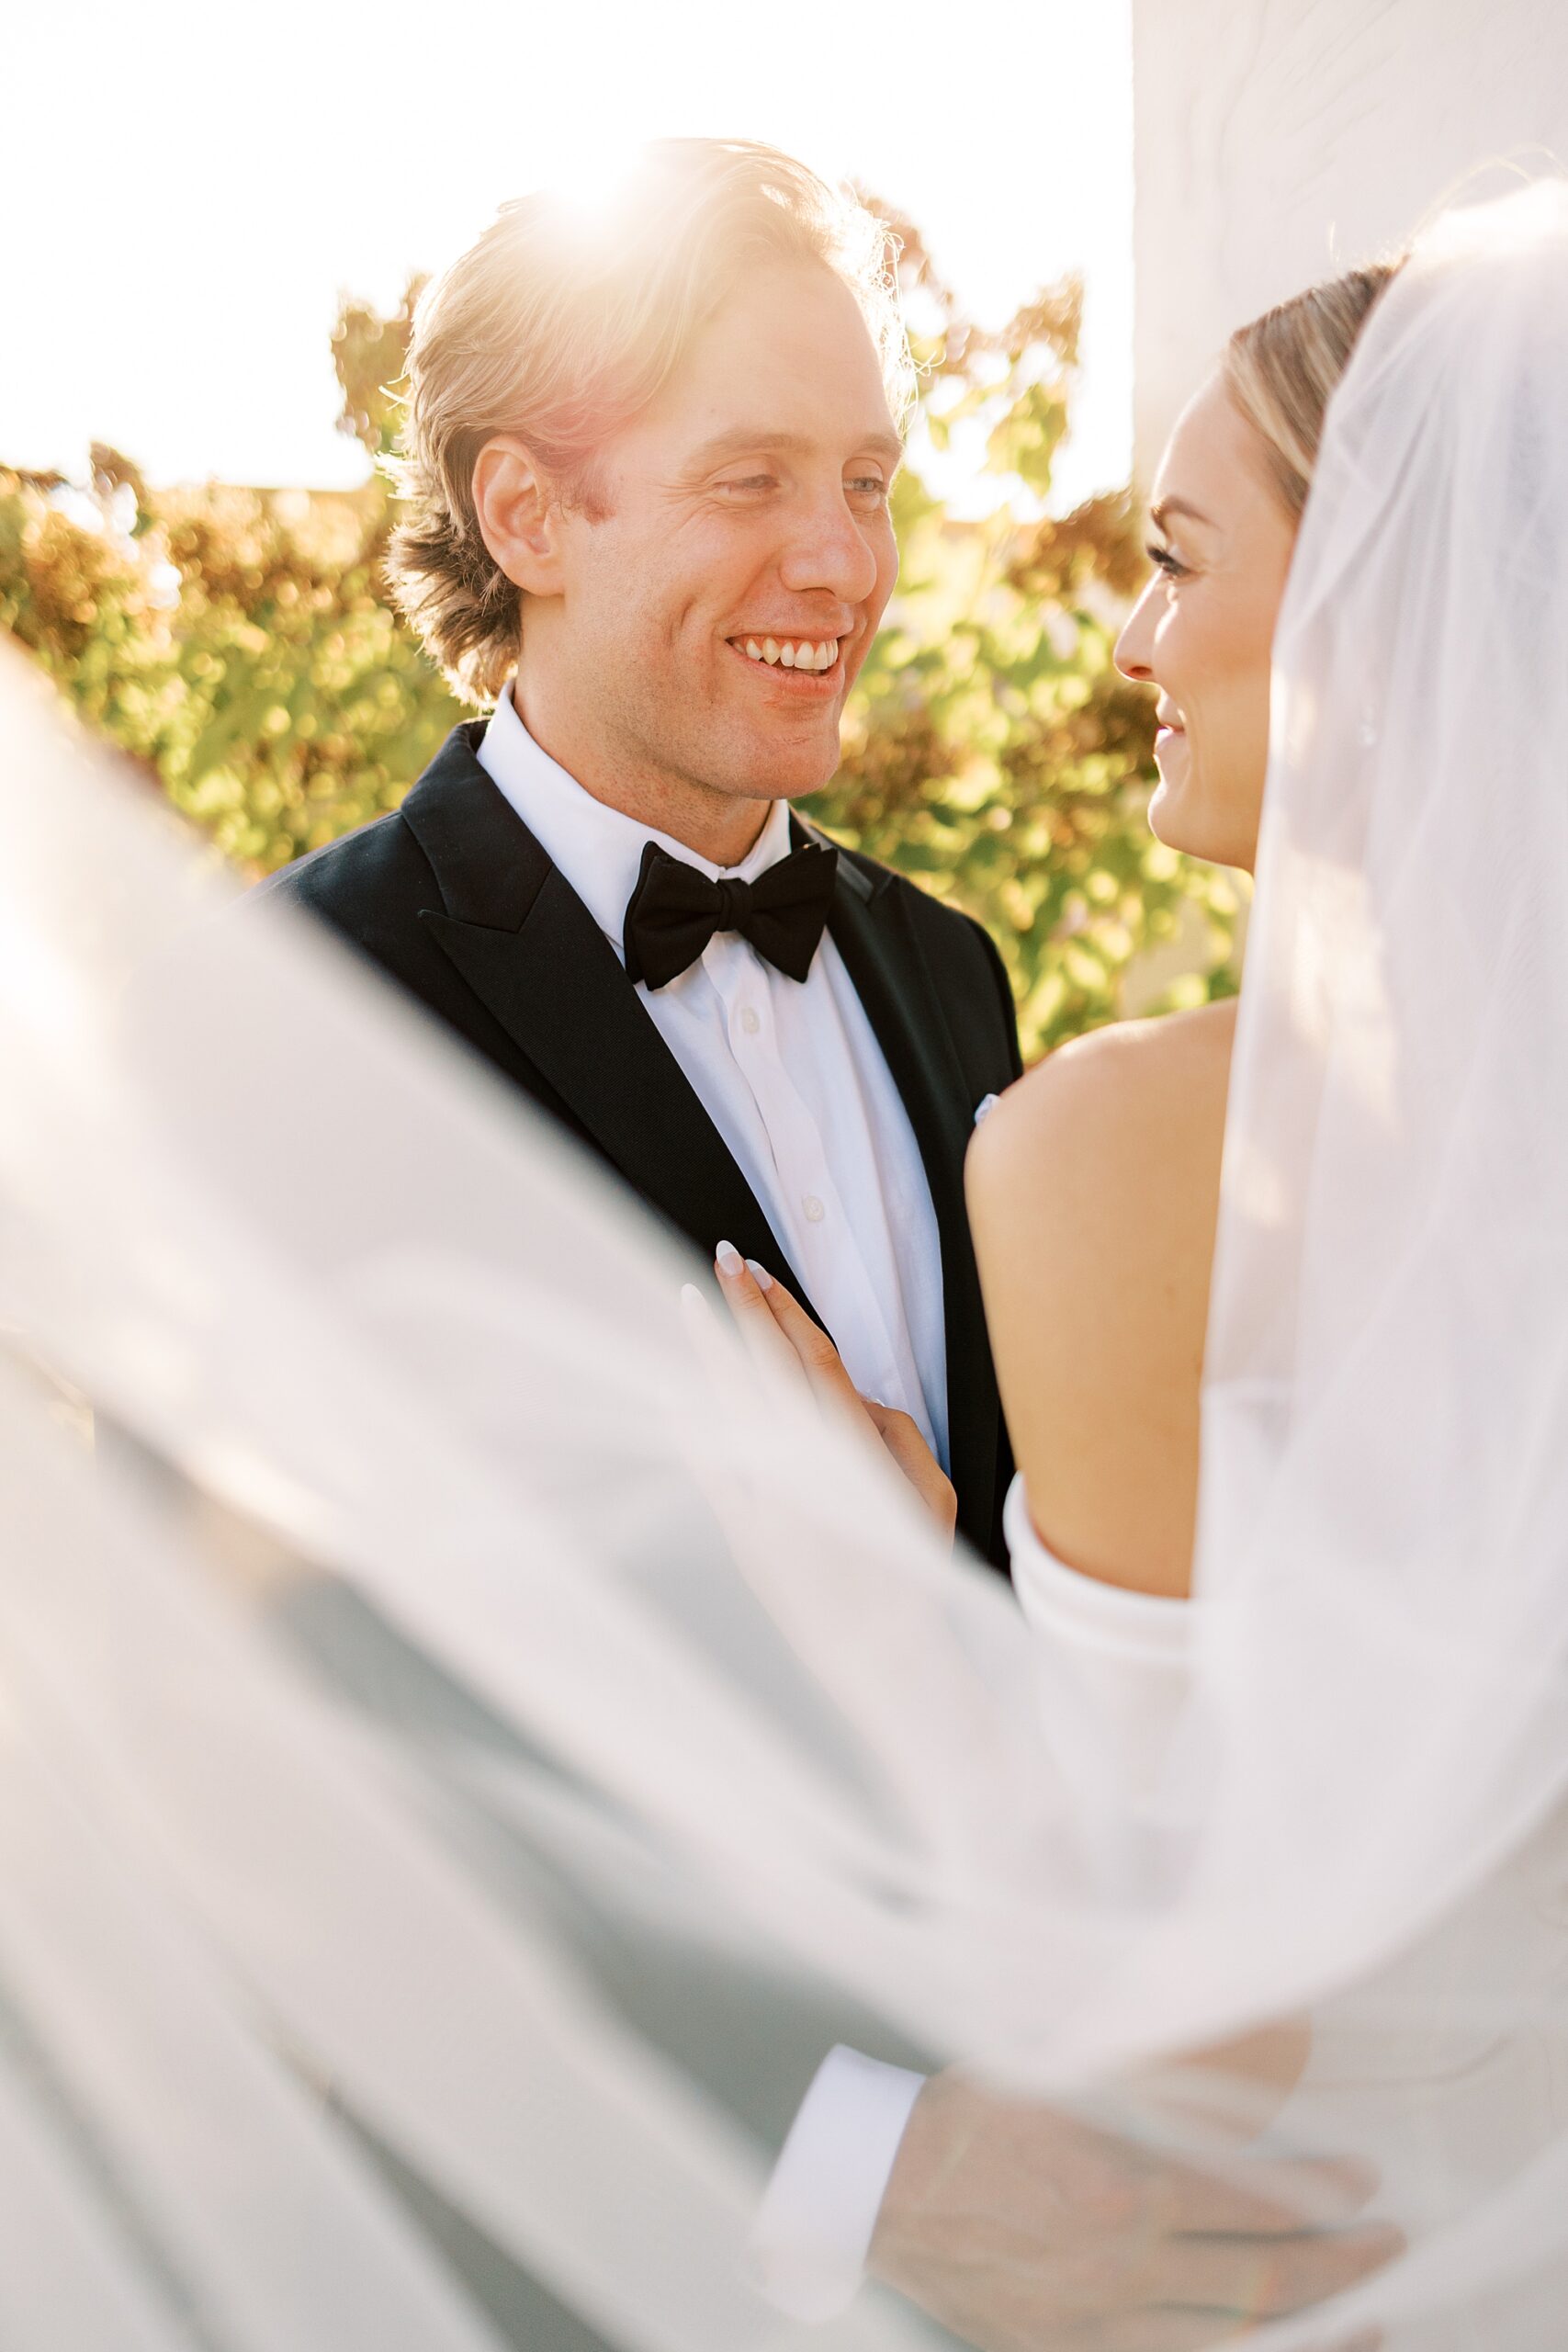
{"type": "Point", "coordinates": [1136, 641]}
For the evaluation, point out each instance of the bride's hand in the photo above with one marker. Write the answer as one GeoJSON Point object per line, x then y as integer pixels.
{"type": "Point", "coordinates": [778, 1330]}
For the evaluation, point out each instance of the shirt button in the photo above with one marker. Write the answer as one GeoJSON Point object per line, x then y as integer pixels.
{"type": "Point", "coordinates": [750, 1020]}
{"type": "Point", "coordinates": [815, 1212]}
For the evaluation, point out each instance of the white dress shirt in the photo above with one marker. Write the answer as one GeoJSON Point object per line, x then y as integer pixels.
{"type": "Point", "coordinates": [814, 2227]}
{"type": "Point", "coordinates": [791, 1075]}
{"type": "Point", "coordinates": [1113, 1671]}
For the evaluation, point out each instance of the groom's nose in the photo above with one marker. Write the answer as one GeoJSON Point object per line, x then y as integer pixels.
{"type": "Point", "coordinates": [829, 550]}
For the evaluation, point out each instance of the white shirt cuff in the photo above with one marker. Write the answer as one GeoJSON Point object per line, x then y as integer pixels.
{"type": "Point", "coordinates": [814, 2227]}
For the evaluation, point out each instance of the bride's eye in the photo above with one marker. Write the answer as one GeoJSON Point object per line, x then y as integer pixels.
{"type": "Point", "coordinates": [1163, 560]}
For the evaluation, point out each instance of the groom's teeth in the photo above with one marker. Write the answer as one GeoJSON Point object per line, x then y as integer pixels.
{"type": "Point", "coordinates": [791, 654]}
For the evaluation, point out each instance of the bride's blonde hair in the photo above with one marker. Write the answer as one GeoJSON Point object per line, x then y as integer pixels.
{"type": "Point", "coordinates": [1281, 369]}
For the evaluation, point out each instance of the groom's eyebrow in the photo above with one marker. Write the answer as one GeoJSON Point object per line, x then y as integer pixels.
{"type": "Point", "coordinates": [879, 443]}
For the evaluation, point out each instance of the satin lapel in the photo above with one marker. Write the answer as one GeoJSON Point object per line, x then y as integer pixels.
{"type": "Point", "coordinates": [870, 932]}
{"type": "Point", "coordinates": [535, 959]}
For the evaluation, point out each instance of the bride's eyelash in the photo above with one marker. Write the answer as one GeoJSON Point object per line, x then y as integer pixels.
{"type": "Point", "coordinates": [1165, 561]}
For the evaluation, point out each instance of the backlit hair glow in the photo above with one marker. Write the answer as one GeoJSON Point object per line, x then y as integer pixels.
{"type": "Point", "coordinates": [1280, 369]}
{"type": "Point", "coordinates": [562, 322]}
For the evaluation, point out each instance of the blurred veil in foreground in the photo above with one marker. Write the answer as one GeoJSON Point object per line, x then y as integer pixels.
{"type": "Point", "coordinates": [468, 1746]}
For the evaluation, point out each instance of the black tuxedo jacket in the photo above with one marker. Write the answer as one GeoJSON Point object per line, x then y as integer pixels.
{"type": "Point", "coordinates": [453, 897]}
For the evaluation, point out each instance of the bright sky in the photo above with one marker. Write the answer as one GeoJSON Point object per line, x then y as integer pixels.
{"type": "Point", "coordinates": [192, 186]}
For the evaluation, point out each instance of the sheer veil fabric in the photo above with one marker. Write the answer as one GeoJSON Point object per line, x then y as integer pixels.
{"type": "Point", "coordinates": [470, 1745]}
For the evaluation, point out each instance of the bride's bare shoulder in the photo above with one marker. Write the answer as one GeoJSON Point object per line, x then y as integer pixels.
{"type": "Point", "coordinates": [1099, 1117]}
{"type": "Point", "coordinates": [1093, 1191]}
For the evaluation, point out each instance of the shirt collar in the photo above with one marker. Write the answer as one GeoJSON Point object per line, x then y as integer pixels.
{"type": "Point", "coordinates": [596, 848]}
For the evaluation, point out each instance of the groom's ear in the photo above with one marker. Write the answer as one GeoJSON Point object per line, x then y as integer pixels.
{"type": "Point", "coordinates": [519, 515]}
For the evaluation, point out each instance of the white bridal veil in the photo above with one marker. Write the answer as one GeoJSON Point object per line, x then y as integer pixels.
{"type": "Point", "coordinates": [468, 1746]}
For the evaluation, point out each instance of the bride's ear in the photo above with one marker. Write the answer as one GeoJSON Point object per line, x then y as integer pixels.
{"type": "Point", "coordinates": [519, 515]}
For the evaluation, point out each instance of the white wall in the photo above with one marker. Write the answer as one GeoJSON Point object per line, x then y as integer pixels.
{"type": "Point", "coordinates": [1278, 141]}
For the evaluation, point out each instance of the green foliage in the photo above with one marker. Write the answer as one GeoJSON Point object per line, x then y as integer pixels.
{"type": "Point", "coordinates": [369, 352]}
{"type": "Point", "coordinates": [240, 644]}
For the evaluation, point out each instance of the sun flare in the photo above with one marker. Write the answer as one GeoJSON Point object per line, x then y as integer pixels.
{"type": "Point", "coordinates": [591, 184]}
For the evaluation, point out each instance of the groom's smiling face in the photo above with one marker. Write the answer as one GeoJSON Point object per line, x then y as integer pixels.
{"type": "Point", "coordinates": [716, 605]}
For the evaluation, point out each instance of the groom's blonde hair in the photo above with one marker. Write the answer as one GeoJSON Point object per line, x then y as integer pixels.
{"type": "Point", "coordinates": [1282, 370]}
{"type": "Point", "coordinates": [562, 322]}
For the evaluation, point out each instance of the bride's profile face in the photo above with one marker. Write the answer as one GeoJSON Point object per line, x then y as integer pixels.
{"type": "Point", "coordinates": [1201, 631]}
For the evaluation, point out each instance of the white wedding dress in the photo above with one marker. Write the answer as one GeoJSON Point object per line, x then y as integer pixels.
{"type": "Point", "coordinates": [466, 1751]}
{"type": "Point", "coordinates": [1450, 2099]}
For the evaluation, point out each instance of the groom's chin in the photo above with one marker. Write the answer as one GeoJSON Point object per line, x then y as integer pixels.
{"type": "Point", "coordinates": [794, 761]}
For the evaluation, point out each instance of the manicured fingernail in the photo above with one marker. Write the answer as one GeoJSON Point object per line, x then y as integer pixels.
{"type": "Point", "coordinates": [759, 1274]}
{"type": "Point", "coordinates": [730, 1260]}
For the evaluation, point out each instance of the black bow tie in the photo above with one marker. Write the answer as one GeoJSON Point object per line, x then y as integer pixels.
{"type": "Point", "coordinates": [675, 910]}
